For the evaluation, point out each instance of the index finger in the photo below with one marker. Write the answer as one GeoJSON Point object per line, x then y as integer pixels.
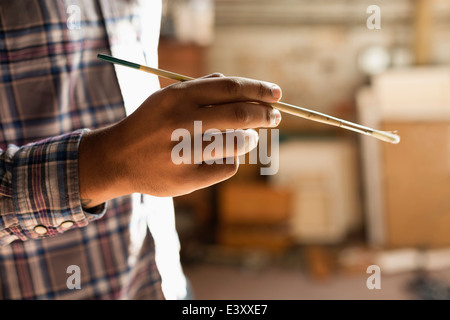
{"type": "Point", "coordinates": [219, 90]}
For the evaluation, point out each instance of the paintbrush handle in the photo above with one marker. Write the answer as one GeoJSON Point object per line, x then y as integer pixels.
{"type": "Point", "coordinates": [284, 107]}
{"type": "Point", "coordinates": [387, 136]}
{"type": "Point", "coordinates": [165, 74]}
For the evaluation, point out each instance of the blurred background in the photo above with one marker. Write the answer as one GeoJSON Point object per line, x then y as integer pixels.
{"type": "Point", "coordinates": [340, 201]}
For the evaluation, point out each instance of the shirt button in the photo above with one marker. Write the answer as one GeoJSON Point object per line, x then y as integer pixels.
{"type": "Point", "coordinates": [67, 224]}
{"type": "Point", "coordinates": [40, 230]}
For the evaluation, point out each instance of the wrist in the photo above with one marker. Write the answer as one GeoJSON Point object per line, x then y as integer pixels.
{"type": "Point", "coordinates": [98, 171]}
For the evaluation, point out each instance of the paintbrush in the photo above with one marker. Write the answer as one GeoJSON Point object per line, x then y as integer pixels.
{"type": "Point", "coordinates": [388, 136]}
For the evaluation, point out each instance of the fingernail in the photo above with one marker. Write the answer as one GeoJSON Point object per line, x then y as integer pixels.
{"type": "Point", "coordinates": [275, 117]}
{"type": "Point", "coordinates": [276, 92]}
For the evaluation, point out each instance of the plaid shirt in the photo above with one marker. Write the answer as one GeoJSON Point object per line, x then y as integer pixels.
{"type": "Point", "coordinates": [52, 90]}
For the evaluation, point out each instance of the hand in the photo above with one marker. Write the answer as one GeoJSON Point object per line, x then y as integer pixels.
{"type": "Point", "coordinates": [134, 155]}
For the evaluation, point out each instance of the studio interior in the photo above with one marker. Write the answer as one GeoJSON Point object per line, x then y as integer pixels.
{"type": "Point", "coordinates": [340, 207]}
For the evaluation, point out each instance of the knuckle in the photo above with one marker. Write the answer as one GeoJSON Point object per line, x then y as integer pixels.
{"type": "Point", "coordinates": [233, 86]}
{"type": "Point", "coordinates": [217, 75]}
{"type": "Point", "coordinates": [269, 115]}
{"type": "Point", "coordinates": [172, 99]}
{"type": "Point", "coordinates": [262, 90]}
{"type": "Point", "coordinates": [214, 75]}
{"type": "Point", "coordinates": [173, 92]}
{"type": "Point", "coordinates": [176, 88]}
{"type": "Point", "coordinates": [241, 114]}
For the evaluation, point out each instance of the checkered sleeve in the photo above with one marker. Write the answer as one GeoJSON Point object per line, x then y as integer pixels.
{"type": "Point", "coordinates": [39, 190]}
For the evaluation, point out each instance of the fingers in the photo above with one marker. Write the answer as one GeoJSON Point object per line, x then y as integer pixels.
{"type": "Point", "coordinates": [216, 102]}
{"type": "Point", "coordinates": [220, 147]}
{"type": "Point", "coordinates": [214, 146]}
{"type": "Point", "coordinates": [238, 115]}
{"type": "Point", "coordinates": [225, 103]}
{"type": "Point", "coordinates": [220, 90]}
{"type": "Point", "coordinates": [213, 75]}
{"type": "Point", "coordinates": [219, 157]}
{"type": "Point", "coordinates": [215, 173]}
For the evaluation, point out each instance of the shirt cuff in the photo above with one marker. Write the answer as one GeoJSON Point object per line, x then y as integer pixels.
{"type": "Point", "coordinates": [45, 188]}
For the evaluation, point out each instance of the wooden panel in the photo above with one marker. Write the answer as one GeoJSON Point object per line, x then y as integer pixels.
{"type": "Point", "coordinates": [254, 215]}
{"type": "Point", "coordinates": [253, 203]}
{"type": "Point", "coordinates": [417, 185]}
{"type": "Point", "coordinates": [273, 239]}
